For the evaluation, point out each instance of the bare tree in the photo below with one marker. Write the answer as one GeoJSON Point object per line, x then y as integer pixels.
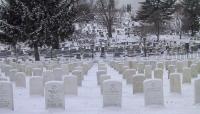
{"type": "Point", "coordinates": [106, 9]}
{"type": "Point", "coordinates": [178, 16]}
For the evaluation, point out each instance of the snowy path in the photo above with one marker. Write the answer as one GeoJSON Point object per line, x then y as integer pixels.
{"type": "Point", "coordinates": [89, 100]}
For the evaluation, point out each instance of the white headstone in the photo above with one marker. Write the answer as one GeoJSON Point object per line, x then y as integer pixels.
{"type": "Point", "coordinates": [54, 95]}
{"type": "Point", "coordinates": [129, 75]}
{"type": "Point", "coordinates": [36, 86]}
{"type": "Point", "coordinates": [171, 69]}
{"type": "Point", "coordinates": [148, 72]}
{"type": "Point", "coordinates": [100, 72]}
{"type": "Point", "coordinates": [179, 66]}
{"type": "Point", "coordinates": [138, 80]}
{"type": "Point", "coordinates": [28, 70]}
{"type": "Point", "coordinates": [112, 93]}
{"type": "Point", "coordinates": [70, 85]}
{"type": "Point", "coordinates": [153, 92]}
{"type": "Point", "coordinates": [160, 65]}
{"type": "Point", "coordinates": [141, 68]}
{"type": "Point", "coordinates": [58, 74]}
{"type": "Point", "coordinates": [6, 95]}
{"type": "Point", "coordinates": [187, 75]}
{"type": "Point", "coordinates": [175, 83]}
{"type": "Point", "coordinates": [12, 73]}
{"type": "Point", "coordinates": [102, 68]}
{"type": "Point", "coordinates": [65, 68]}
{"type": "Point", "coordinates": [194, 70]}
{"type": "Point", "coordinates": [7, 69]}
{"type": "Point", "coordinates": [102, 78]}
{"type": "Point", "coordinates": [197, 91]}
{"type": "Point", "coordinates": [48, 76]}
{"type": "Point", "coordinates": [79, 76]}
{"type": "Point", "coordinates": [158, 73]}
{"type": "Point", "coordinates": [20, 79]}
{"type": "Point", "coordinates": [124, 70]}
{"type": "Point", "coordinates": [37, 71]}
{"type": "Point", "coordinates": [133, 64]}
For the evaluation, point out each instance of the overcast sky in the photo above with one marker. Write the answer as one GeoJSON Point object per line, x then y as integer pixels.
{"type": "Point", "coordinates": [135, 3]}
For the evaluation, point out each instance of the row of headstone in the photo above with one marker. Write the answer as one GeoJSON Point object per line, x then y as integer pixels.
{"type": "Point", "coordinates": [176, 78]}
{"type": "Point", "coordinates": [51, 89]}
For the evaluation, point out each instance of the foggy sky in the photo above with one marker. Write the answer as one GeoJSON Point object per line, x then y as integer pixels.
{"type": "Point", "coordinates": [135, 3]}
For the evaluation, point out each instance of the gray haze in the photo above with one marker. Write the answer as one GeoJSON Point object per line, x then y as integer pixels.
{"type": "Point", "coordinates": [135, 3]}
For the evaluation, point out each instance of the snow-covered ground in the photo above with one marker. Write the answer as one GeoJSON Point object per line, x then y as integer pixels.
{"type": "Point", "coordinates": [89, 100]}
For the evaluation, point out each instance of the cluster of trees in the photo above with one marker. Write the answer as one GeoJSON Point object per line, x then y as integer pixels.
{"type": "Point", "coordinates": [40, 23]}
{"type": "Point", "coordinates": [158, 13]}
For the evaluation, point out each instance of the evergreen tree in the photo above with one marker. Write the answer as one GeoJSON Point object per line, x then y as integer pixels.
{"type": "Point", "coordinates": [191, 16]}
{"type": "Point", "coordinates": [156, 12]}
{"type": "Point", "coordinates": [39, 22]}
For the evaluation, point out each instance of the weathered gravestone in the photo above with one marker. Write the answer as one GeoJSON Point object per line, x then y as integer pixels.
{"type": "Point", "coordinates": [186, 75]}
{"type": "Point", "coordinates": [100, 72]}
{"type": "Point", "coordinates": [6, 95]}
{"type": "Point", "coordinates": [179, 66]}
{"type": "Point", "coordinates": [160, 65]}
{"type": "Point", "coordinates": [102, 68]}
{"type": "Point", "coordinates": [103, 78]}
{"type": "Point", "coordinates": [153, 92]}
{"type": "Point", "coordinates": [79, 76]}
{"type": "Point", "coordinates": [148, 72]}
{"type": "Point", "coordinates": [112, 93]}
{"type": "Point", "coordinates": [7, 69]}
{"type": "Point", "coordinates": [36, 86]}
{"type": "Point", "coordinates": [37, 71]}
{"type": "Point", "coordinates": [141, 68]}
{"type": "Point", "coordinates": [70, 85]}
{"type": "Point", "coordinates": [128, 74]}
{"type": "Point", "coordinates": [65, 68]}
{"type": "Point", "coordinates": [20, 79]}
{"type": "Point", "coordinates": [138, 80]}
{"type": "Point", "coordinates": [54, 95]}
{"type": "Point", "coordinates": [28, 70]}
{"type": "Point", "coordinates": [171, 69]}
{"type": "Point", "coordinates": [133, 64]}
{"type": "Point", "coordinates": [194, 70]}
{"type": "Point", "coordinates": [12, 73]}
{"type": "Point", "coordinates": [124, 70]}
{"type": "Point", "coordinates": [158, 73]}
{"type": "Point", "coordinates": [58, 74]}
{"type": "Point", "coordinates": [197, 91]}
{"type": "Point", "coordinates": [48, 76]}
{"type": "Point", "coordinates": [175, 83]}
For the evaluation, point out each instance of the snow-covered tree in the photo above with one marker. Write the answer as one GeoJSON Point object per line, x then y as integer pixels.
{"type": "Point", "coordinates": [178, 17]}
{"type": "Point", "coordinates": [106, 9]}
{"type": "Point", "coordinates": [191, 16]}
{"type": "Point", "coordinates": [156, 12]}
{"type": "Point", "coordinates": [40, 22]}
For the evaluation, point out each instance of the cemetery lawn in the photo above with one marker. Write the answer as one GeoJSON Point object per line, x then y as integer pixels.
{"type": "Point", "coordinates": [90, 101]}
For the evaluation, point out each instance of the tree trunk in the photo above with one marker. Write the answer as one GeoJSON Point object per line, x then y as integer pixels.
{"type": "Point", "coordinates": [109, 30]}
{"type": "Point", "coordinates": [158, 31]}
{"type": "Point", "coordinates": [51, 53]}
{"type": "Point", "coordinates": [192, 32]}
{"type": "Point", "coordinates": [15, 50]}
{"type": "Point", "coordinates": [57, 44]}
{"type": "Point", "coordinates": [145, 50]}
{"type": "Point", "coordinates": [180, 34]}
{"type": "Point", "coordinates": [36, 52]}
